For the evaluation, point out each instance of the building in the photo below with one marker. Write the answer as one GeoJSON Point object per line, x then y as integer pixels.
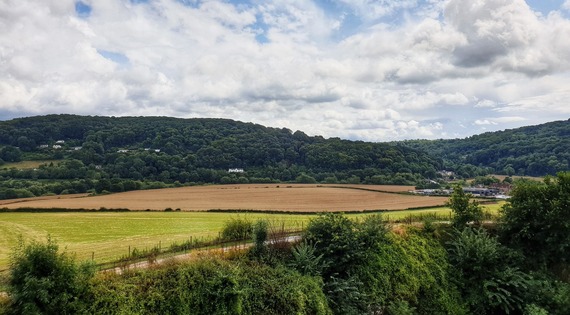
{"type": "Point", "coordinates": [235, 170]}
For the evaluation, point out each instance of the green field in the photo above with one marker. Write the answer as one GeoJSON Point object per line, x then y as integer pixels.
{"type": "Point", "coordinates": [28, 164]}
{"type": "Point", "coordinates": [107, 236]}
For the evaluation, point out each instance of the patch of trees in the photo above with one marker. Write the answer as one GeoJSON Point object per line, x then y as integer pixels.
{"type": "Point", "coordinates": [341, 266]}
{"type": "Point", "coordinates": [532, 151]}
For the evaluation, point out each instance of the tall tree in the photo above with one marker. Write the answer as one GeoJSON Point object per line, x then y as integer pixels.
{"type": "Point", "coordinates": [536, 220]}
{"type": "Point", "coordinates": [464, 209]}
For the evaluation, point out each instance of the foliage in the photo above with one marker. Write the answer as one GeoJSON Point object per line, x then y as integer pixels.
{"type": "Point", "coordinates": [44, 281]}
{"type": "Point", "coordinates": [209, 287]}
{"type": "Point", "coordinates": [10, 154]}
{"type": "Point", "coordinates": [305, 260]}
{"type": "Point", "coordinates": [260, 232]}
{"type": "Point", "coordinates": [536, 220]}
{"type": "Point", "coordinates": [400, 308]}
{"type": "Point", "coordinates": [548, 294]}
{"type": "Point", "coordinates": [237, 229]}
{"type": "Point", "coordinates": [365, 268]}
{"type": "Point", "coordinates": [464, 209]}
{"type": "Point", "coordinates": [115, 149]}
{"type": "Point", "coordinates": [410, 269]}
{"type": "Point", "coordinates": [488, 275]}
{"type": "Point", "coordinates": [532, 151]}
{"type": "Point", "coordinates": [335, 239]}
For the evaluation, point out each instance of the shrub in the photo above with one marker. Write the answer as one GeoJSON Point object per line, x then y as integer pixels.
{"type": "Point", "coordinates": [259, 249]}
{"type": "Point", "coordinates": [305, 260]}
{"type": "Point", "coordinates": [209, 287]}
{"type": "Point", "coordinates": [488, 275]}
{"type": "Point", "coordinates": [44, 281]}
{"type": "Point", "coordinates": [237, 229]}
{"type": "Point", "coordinates": [410, 270]}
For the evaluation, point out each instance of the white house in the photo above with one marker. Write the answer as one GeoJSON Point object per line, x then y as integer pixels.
{"type": "Point", "coordinates": [235, 170]}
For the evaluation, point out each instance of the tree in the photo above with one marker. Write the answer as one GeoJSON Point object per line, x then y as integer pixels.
{"type": "Point", "coordinates": [44, 281]}
{"type": "Point", "coordinates": [10, 154]}
{"type": "Point", "coordinates": [464, 209]}
{"type": "Point", "coordinates": [536, 220]}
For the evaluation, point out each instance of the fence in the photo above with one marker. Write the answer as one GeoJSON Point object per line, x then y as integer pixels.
{"type": "Point", "coordinates": [119, 257]}
{"type": "Point", "coordinates": [278, 234]}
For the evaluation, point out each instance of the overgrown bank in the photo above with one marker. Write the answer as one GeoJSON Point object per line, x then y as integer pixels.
{"type": "Point", "coordinates": [341, 266]}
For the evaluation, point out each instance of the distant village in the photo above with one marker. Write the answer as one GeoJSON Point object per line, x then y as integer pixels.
{"type": "Point", "coordinates": [496, 190]}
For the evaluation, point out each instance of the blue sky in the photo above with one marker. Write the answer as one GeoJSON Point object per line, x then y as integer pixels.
{"type": "Point", "coordinates": [374, 70]}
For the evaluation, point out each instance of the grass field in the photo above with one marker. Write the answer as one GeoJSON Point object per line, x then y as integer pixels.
{"type": "Point", "coordinates": [283, 197]}
{"type": "Point", "coordinates": [108, 235]}
{"type": "Point", "coordinates": [27, 164]}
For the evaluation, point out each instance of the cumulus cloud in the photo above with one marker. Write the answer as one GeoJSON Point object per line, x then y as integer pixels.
{"type": "Point", "coordinates": [444, 64]}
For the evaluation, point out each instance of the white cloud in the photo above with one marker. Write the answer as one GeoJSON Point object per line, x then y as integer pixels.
{"type": "Point", "coordinates": [445, 64]}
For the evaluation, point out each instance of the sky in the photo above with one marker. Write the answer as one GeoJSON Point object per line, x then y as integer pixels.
{"type": "Point", "coordinates": [372, 70]}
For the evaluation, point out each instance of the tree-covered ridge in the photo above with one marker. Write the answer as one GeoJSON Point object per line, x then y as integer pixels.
{"type": "Point", "coordinates": [196, 150]}
{"type": "Point", "coordinates": [532, 151]}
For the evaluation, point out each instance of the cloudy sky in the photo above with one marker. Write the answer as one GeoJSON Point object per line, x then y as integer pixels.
{"type": "Point", "coordinates": [374, 70]}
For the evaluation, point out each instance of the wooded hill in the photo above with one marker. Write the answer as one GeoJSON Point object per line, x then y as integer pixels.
{"type": "Point", "coordinates": [532, 151]}
{"type": "Point", "coordinates": [202, 150]}
{"type": "Point", "coordinates": [126, 153]}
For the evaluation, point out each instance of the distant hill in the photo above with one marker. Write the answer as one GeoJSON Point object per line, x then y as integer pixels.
{"type": "Point", "coordinates": [202, 150]}
{"type": "Point", "coordinates": [532, 151]}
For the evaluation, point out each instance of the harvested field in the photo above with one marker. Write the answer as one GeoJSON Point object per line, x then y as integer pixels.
{"type": "Point", "coordinates": [273, 197]}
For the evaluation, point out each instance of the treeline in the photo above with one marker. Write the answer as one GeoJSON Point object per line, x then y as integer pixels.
{"type": "Point", "coordinates": [528, 151]}
{"type": "Point", "coordinates": [126, 150]}
{"type": "Point", "coordinates": [518, 266]}
{"type": "Point", "coordinates": [196, 151]}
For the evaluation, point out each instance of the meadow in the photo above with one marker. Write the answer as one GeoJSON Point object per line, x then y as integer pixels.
{"type": "Point", "coordinates": [28, 164]}
{"type": "Point", "coordinates": [107, 236]}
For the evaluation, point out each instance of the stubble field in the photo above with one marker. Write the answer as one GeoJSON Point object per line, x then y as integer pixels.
{"type": "Point", "coordinates": [284, 197]}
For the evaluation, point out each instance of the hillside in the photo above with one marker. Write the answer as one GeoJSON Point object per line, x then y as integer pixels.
{"type": "Point", "coordinates": [532, 151]}
{"type": "Point", "coordinates": [170, 150]}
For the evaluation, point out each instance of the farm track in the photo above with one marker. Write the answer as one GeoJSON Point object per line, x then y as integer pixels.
{"type": "Point", "coordinates": [194, 254]}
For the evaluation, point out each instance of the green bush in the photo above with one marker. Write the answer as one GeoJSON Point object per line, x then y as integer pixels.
{"type": "Point", "coordinates": [237, 229]}
{"type": "Point", "coordinates": [43, 281]}
{"type": "Point", "coordinates": [410, 269]}
{"type": "Point", "coordinates": [487, 272]}
{"type": "Point", "coordinates": [536, 220]}
{"type": "Point", "coordinates": [209, 287]}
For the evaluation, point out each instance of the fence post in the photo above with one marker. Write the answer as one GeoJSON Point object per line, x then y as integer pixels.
{"type": "Point", "coordinates": [129, 255]}
{"type": "Point", "coordinates": [92, 256]}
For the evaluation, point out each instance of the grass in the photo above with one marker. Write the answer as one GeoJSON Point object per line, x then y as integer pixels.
{"type": "Point", "coordinates": [107, 236]}
{"type": "Point", "coordinates": [27, 164]}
